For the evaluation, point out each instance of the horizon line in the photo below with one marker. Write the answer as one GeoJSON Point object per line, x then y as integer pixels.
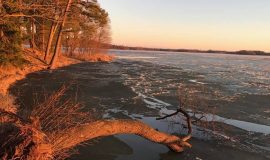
{"type": "Point", "coordinates": [191, 49]}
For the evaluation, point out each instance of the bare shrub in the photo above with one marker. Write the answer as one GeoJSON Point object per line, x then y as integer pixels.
{"type": "Point", "coordinates": [200, 103]}
{"type": "Point", "coordinates": [57, 116]}
{"type": "Point", "coordinates": [50, 121]}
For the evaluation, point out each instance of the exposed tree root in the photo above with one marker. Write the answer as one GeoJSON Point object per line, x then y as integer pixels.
{"type": "Point", "coordinates": [21, 139]}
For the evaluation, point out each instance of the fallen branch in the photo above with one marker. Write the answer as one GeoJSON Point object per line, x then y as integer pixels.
{"type": "Point", "coordinates": [180, 110]}
{"type": "Point", "coordinates": [112, 127]}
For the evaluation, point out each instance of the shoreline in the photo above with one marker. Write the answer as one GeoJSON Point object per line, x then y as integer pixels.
{"type": "Point", "coordinates": [106, 81]}
{"type": "Point", "coordinates": [9, 75]}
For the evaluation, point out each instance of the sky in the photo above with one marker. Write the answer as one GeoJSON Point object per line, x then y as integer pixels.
{"type": "Point", "coordinates": [191, 24]}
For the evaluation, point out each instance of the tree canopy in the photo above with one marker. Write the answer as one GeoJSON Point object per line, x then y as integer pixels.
{"type": "Point", "coordinates": [52, 26]}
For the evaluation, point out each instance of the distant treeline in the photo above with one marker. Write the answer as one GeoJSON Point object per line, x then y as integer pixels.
{"type": "Point", "coordinates": [242, 52]}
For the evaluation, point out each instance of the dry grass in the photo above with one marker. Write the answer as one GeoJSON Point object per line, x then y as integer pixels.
{"type": "Point", "coordinates": [22, 140]}
{"type": "Point", "coordinates": [49, 126]}
{"type": "Point", "coordinates": [10, 74]}
{"type": "Point", "coordinates": [94, 57]}
{"type": "Point", "coordinates": [56, 116]}
{"type": "Point", "coordinates": [7, 103]}
{"type": "Point", "coordinates": [50, 121]}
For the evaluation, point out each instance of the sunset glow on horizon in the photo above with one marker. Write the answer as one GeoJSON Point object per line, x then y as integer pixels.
{"type": "Point", "coordinates": [191, 24]}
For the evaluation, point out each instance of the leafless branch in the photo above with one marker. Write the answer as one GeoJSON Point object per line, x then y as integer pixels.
{"type": "Point", "coordinates": [188, 119]}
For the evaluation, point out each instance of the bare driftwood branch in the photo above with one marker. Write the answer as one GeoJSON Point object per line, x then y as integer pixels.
{"type": "Point", "coordinates": [112, 127]}
{"type": "Point", "coordinates": [180, 110]}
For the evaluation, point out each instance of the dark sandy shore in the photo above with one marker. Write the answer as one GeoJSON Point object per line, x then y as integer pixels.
{"type": "Point", "coordinates": [102, 87]}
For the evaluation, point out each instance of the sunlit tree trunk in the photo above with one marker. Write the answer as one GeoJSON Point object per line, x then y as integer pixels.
{"type": "Point", "coordinates": [32, 40]}
{"type": "Point", "coordinates": [43, 36]}
{"type": "Point", "coordinates": [1, 4]}
{"type": "Point", "coordinates": [53, 29]}
{"type": "Point", "coordinates": [57, 48]}
{"type": "Point", "coordinates": [50, 39]}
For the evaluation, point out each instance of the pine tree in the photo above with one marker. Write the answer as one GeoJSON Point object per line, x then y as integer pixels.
{"type": "Point", "coordinates": [11, 35]}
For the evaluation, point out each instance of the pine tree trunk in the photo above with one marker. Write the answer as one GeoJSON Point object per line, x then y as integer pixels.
{"type": "Point", "coordinates": [43, 36]}
{"type": "Point", "coordinates": [50, 39]}
{"type": "Point", "coordinates": [32, 40]}
{"type": "Point", "coordinates": [57, 48]}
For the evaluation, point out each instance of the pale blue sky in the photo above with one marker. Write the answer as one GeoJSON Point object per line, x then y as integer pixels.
{"type": "Point", "coordinates": [196, 24]}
